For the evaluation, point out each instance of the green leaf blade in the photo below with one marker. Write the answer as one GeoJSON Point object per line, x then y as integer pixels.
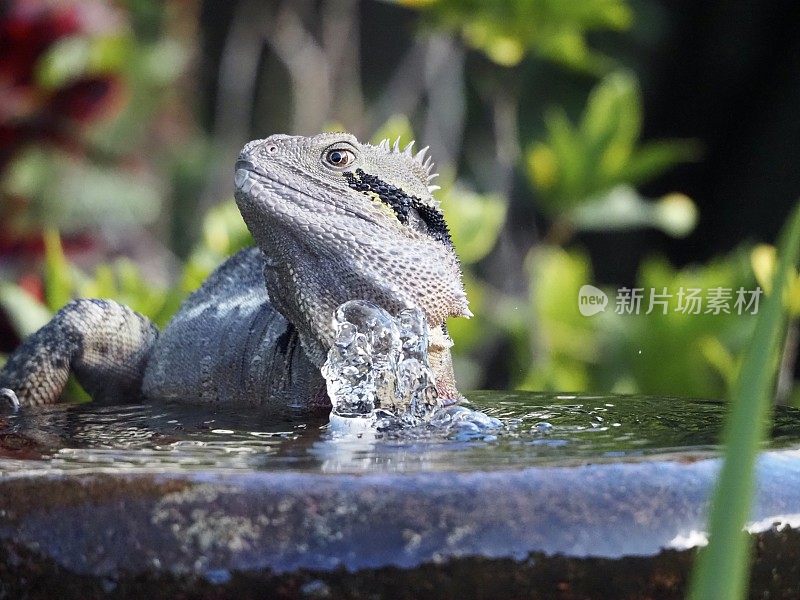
{"type": "Point", "coordinates": [722, 567]}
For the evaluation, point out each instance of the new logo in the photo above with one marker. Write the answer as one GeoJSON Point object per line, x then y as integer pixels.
{"type": "Point", "coordinates": [591, 300]}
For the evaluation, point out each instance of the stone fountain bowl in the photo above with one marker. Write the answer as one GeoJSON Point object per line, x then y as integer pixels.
{"type": "Point", "coordinates": [576, 497]}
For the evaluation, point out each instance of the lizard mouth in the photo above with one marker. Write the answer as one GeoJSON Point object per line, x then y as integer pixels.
{"type": "Point", "coordinates": [242, 172]}
{"type": "Point", "coordinates": [248, 176]}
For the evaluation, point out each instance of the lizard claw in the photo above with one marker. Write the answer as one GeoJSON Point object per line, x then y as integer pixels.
{"type": "Point", "coordinates": [11, 397]}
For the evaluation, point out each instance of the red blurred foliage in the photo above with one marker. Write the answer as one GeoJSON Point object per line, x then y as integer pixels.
{"type": "Point", "coordinates": [29, 113]}
{"type": "Point", "coordinates": [33, 245]}
{"type": "Point", "coordinates": [86, 99]}
{"type": "Point", "coordinates": [33, 285]}
{"type": "Point", "coordinates": [27, 29]}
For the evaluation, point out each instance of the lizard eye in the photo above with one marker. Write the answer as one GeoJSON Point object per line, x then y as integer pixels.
{"type": "Point", "coordinates": [340, 157]}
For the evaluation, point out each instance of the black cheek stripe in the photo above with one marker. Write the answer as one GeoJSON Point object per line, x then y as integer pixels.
{"type": "Point", "coordinates": [400, 202]}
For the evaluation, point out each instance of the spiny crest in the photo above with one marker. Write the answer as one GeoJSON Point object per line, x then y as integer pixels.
{"type": "Point", "coordinates": [420, 161]}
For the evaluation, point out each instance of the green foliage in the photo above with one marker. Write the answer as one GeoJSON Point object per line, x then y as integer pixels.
{"type": "Point", "coordinates": [73, 57]}
{"type": "Point", "coordinates": [224, 233]}
{"type": "Point", "coordinates": [507, 29]}
{"type": "Point", "coordinates": [475, 220]}
{"type": "Point", "coordinates": [665, 352]}
{"type": "Point", "coordinates": [150, 69]}
{"type": "Point", "coordinates": [565, 343]}
{"type": "Point", "coordinates": [764, 259]}
{"type": "Point", "coordinates": [583, 163]}
{"type": "Point", "coordinates": [677, 353]}
{"type": "Point", "coordinates": [25, 311]}
{"type": "Point", "coordinates": [79, 144]}
{"type": "Point", "coordinates": [70, 194]}
{"type": "Point", "coordinates": [722, 567]}
{"type": "Point", "coordinates": [58, 272]}
{"type": "Point", "coordinates": [396, 127]}
{"type": "Point", "coordinates": [622, 208]}
{"type": "Point", "coordinates": [121, 280]}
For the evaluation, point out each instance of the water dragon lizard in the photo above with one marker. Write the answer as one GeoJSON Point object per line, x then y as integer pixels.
{"type": "Point", "coordinates": [333, 220]}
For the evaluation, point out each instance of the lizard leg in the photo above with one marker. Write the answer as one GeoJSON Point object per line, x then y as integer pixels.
{"type": "Point", "coordinates": [105, 344]}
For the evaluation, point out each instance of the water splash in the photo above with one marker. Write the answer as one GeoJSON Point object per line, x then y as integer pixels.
{"type": "Point", "coordinates": [379, 363]}
{"type": "Point", "coordinates": [379, 378]}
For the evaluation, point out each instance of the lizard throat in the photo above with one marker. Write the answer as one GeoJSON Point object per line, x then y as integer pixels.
{"type": "Point", "coordinates": [401, 203]}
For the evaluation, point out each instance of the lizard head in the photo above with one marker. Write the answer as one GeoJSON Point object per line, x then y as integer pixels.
{"type": "Point", "coordinates": [340, 220]}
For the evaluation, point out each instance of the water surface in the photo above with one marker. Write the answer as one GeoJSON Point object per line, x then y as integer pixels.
{"type": "Point", "coordinates": [538, 430]}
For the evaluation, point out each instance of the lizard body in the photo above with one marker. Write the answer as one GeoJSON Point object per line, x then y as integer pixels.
{"type": "Point", "coordinates": [333, 220]}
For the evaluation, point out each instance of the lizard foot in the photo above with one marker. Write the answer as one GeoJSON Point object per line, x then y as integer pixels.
{"type": "Point", "coordinates": [10, 397]}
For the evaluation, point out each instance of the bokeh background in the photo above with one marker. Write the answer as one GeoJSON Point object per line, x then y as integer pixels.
{"type": "Point", "coordinates": [647, 143]}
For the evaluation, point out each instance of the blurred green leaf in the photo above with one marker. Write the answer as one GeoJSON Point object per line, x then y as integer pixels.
{"type": "Point", "coordinates": [616, 96]}
{"type": "Point", "coordinates": [719, 357]}
{"type": "Point", "coordinates": [163, 61]}
{"type": "Point", "coordinates": [74, 392]}
{"type": "Point", "coordinates": [66, 59]}
{"type": "Point", "coordinates": [505, 30]}
{"type": "Point", "coordinates": [612, 122]}
{"type": "Point", "coordinates": [102, 285]}
{"type": "Point", "coordinates": [721, 570]}
{"type": "Point", "coordinates": [622, 208]}
{"type": "Point", "coordinates": [25, 312]}
{"type": "Point", "coordinates": [666, 352]}
{"type": "Point", "coordinates": [475, 220]}
{"type": "Point", "coordinates": [224, 233]}
{"type": "Point", "coordinates": [763, 260]}
{"type": "Point", "coordinates": [396, 126]}
{"type": "Point", "coordinates": [69, 194]}
{"type": "Point", "coordinates": [566, 342]}
{"type": "Point", "coordinates": [653, 158]}
{"type": "Point", "coordinates": [579, 163]}
{"type": "Point", "coordinates": [58, 284]}
{"type": "Point", "coordinates": [73, 57]}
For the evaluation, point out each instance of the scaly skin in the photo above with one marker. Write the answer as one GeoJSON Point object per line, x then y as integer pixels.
{"type": "Point", "coordinates": [334, 220]}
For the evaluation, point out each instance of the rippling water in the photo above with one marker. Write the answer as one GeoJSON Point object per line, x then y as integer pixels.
{"type": "Point", "coordinates": [537, 429]}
